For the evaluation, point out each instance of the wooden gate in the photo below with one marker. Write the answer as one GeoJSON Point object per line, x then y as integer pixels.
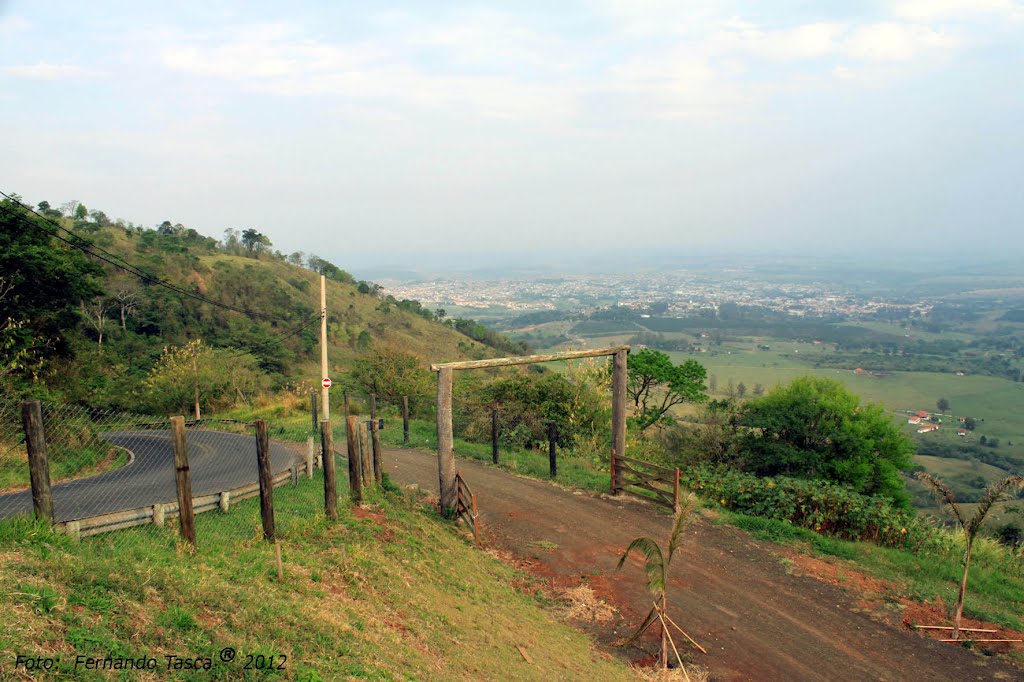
{"type": "Point", "coordinates": [660, 483]}
{"type": "Point", "coordinates": [465, 506]}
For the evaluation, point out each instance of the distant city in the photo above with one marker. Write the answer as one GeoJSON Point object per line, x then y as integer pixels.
{"type": "Point", "coordinates": [683, 291]}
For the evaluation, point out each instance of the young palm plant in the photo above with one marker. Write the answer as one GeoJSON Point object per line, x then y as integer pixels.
{"type": "Point", "coordinates": [969, 527]}
{"type": "Point", "coordinates": [657, 564]}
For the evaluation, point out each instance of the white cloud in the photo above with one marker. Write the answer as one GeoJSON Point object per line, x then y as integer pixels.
{"type": "Point", "coordinates": [891, 41]}
{"type": "Point", "coordinates": [11, 25]}
{"type": "Point", "coordinates": [930, 10]}
{"type": "Point", "coordinates": [44, 71]}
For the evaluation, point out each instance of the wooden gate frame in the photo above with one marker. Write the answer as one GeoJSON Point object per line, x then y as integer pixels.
{"type": "Point", "coordinates": [445, 451]}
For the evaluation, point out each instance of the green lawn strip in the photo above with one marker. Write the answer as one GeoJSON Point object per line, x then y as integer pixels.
{"type": "Point", "coordinates": [407, 598]}
{"type": "Point", "coordinates": [994, 593]}
{"type": "Point", "coordinates": [66, 463]}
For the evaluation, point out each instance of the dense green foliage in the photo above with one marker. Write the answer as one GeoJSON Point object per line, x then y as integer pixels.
{"type": "Point", "coordinates": [816, 428]}
{"type": "Point", "coordinates": [824, 507]}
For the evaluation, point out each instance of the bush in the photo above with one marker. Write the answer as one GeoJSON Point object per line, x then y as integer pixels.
{"type": "Point", "coordinates": [824, 507]}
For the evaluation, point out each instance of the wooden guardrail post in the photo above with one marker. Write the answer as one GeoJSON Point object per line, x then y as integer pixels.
{"type": "Point", "coordinates": [266, 485]}
{"type": "Point", "coordinates": [38, 459]}
{"type": "Point", "coordinates": [494, 435]}
{"type": "Point", "coordinates": [354, 469]}
{"type": "Point", "coordinates": [615, 487]}
{"type": "Point", "coordinates": [378, 467]}
{"type": "Point", "coordinates": [183, 480]}
{"type": "Point", "coordinates": [552, 460]}
{"type": "Point", "coordinates": [330, 486]}
{"type": "Point", "coordinates": [405, 419]}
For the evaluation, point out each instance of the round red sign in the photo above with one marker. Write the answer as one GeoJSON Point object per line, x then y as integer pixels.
{"type": "Point", "coordinates": [326, 382]}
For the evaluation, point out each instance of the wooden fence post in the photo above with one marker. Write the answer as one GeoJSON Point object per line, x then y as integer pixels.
{"type": "Point", "coordinates": [310, 456]}
{"type": "Point", "coordinates": [619, 377]}
{"type": "Point", "coordinates": [365, 453]}
{"type": "Point", "coordinates": [494, 435]}
{"type": "Point", "coordinates": [405, 419]}
{"type": "Point", "coordinates": [354, 468]}
{"type": "Point", "coordinates": [266, 484]}
{"type": "Point", "coordinates": [313, 410]}
{"type": "Point", "coordinates": [183, 479]}
{"type": "Point", "coordinates": [445, 451]}
{"type": "Point", "coordinates": [330, 485]}
{"type": "Point", "coordinates": [552, 461]}
{"type": "Point", "coordinates": [38, 459]}
{"type": "Point", "coordinates": [615, 487]}
{"type": "Point", "coordinates": [675, 493]}
{"type": "Point", "coordinates": [378, 465]}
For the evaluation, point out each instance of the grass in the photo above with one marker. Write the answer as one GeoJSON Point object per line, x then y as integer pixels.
{"type": "Point", "coordinates": [994, 594]}
{"type": "Point", "coordinates": [65, 463]}
{"type": "Point", "coordinates": [389, 593]}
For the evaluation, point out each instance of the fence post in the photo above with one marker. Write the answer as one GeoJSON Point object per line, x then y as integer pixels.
{"type": "Point", "coordinates": [330, 486]}
{"type": "Point", "coordinates": [494, 435]}
{"type": "Point", "coordinates": [183, 480]}
{"type": "Point", "coordinates": [405, 419]}
{"type": "Point", "coordinates": [552, 436]}
{"type": "Point", "coordinates": [354, 472]}
{"type": "Point", "coordinates": [266, 485]}
{"type": "Point", "coordinates": [615, 487]}
{"type": "Point", "coordinates": [310, 456]}
{"type": "Point", "coordinates": [38, 460]}
{"type": "Point", "coordinates": [378, 473]}
{"type": "Point", "coordinates": [675, 493]}
{"type": "Point", "coordinates": [445, 452]}
{"type": "Point", "coordinates": [619, 380]}
{"type": "Point", "coordinates": [313, 410]}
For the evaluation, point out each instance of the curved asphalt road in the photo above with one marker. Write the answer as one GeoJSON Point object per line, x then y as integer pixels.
{"type": "Point", "coordinates": [218, 461]}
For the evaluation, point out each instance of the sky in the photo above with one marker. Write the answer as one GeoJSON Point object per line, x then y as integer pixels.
{"type": "Point", "coordinates": [431, 132]}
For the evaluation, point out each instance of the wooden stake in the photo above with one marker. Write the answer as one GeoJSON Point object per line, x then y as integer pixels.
{"type": "Point", "coordinates": [552, 455]}
{"type": "Point", "coordinates": [366, 454]}
{"type": "Point", "coordinates": [183, 481]}
{"type": "Point", "coordinates": [280, 566]}
{"type": "Point", "coordinates": [494, 435]}
{"type": "Point", "coordinates": [699, 647]}
{"type": "Point", "coordinates": [668, 634]}
{"type": "Point", "coordinates": [266, 484]}
{"type": "Point", "coordinates": [948, 627]}
{"type": "Point", "coordinates": [522, 652]}
{"type": "Point", "coordinates": [38, 459]}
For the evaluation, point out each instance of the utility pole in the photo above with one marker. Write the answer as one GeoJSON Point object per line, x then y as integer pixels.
{"type": "Point", "coordinates": [325, 395]}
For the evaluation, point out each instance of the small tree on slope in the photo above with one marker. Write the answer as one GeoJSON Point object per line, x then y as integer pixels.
{"type": "Point", "coordinates": [969, 527]}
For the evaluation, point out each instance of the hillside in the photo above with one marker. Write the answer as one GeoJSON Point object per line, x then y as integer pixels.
{"type": "Point", "coordinates": [387, 592]}
{"type": "Point", "coordinates": [115, 306]}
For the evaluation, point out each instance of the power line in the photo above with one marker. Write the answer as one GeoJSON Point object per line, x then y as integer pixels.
{"type": "Point", "coordinates": [116, 261]}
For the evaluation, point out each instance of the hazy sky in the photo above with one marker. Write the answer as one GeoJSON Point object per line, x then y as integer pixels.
{"type": "Point", "coordinates": [346, 128]}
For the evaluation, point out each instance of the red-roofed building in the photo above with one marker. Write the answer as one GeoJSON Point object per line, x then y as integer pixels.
{"type": "Point", "coordinates": [928, 427]}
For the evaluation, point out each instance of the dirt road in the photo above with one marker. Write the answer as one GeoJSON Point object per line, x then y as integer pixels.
{"type": "Point", "coordinates": [731, 593]}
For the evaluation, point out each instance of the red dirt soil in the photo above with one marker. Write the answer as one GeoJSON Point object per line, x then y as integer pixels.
{"type": "Point", "coordinates": [757, 618]}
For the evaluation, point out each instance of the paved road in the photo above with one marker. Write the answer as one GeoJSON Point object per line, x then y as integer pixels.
{"type": "Point", "coordinates": [218, 461]}
{"type": "Point", "coordinates": [733, 594]}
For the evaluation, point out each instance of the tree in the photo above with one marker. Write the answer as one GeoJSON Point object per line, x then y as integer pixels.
{"type": "Point", "coordinates": [970, 528]}
{"type": "Point", "coordinates": [969, 423]}
{"type": "Point", "coordinates": [817, 428]}
{"type": "Point", "coordinates": [96, 315]}
{"type": "Point", "coordinates": [741, 390]}
{"type": "Point", "coordinates": [943, 405]}
{"type": "Point", "coordinates": [713, 383]}
{"type": "Point", "coordinates": [255, 242]}
{"type": "Point", "coordinates": [127, 297]}
{"type": "Point", "coordinates": [44, 280]}
{"type": "Point", "coordinates": [758, 390]}
{"type": "Point", "coordinates": [655, 385]}
{"type": "Point", "coordinates": [81, 212]}
{"type": "Point", "coordinates": [391, 372]}
{"type": "Point", "coordinates": [657, 564]}
{"type": "Point", "coordinates": [195, 375]}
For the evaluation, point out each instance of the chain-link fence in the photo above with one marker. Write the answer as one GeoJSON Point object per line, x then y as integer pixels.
{"type": "Point", "coordinates": [92, 472]}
